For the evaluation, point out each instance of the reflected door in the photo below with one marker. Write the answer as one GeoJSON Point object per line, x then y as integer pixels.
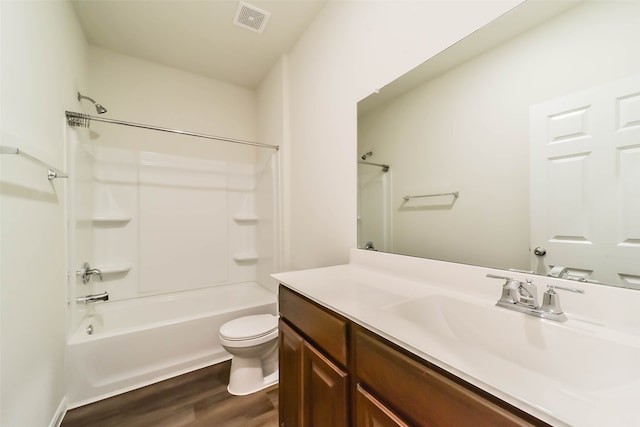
{"type": "Point", "coordinates": [585, 184]}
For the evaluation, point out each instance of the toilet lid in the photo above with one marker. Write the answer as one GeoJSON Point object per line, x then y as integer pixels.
{"type": "Point", "coordinates": [249, 327]}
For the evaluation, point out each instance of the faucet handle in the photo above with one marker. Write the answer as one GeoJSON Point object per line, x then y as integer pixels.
{"type": "Point", "coordinates": [551, 300]}
{"type": "Point", "coordinates": [509, 289]}
{"type": "Point", "coordinates": [565, 288]}
{"type": "Point", "coordinates": [494, 276]}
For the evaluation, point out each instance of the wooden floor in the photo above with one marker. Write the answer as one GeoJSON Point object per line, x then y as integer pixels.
{"type": "Point", "coordinates": [199, 398]}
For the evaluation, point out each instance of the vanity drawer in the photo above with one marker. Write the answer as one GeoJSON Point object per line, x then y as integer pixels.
{"type": "Point", "coordinates": [420, 394]}
{"type": "Point", "coordinates": [326, 330]}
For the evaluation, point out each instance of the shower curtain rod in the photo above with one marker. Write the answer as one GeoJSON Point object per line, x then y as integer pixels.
{"type": "Point", "coordinates": [83, 120]}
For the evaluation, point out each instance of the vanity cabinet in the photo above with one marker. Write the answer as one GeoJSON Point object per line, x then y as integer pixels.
{"type": "Point", "coordinates": [314, 384]}
{"type": "Point", "coordinates": [334, 372]}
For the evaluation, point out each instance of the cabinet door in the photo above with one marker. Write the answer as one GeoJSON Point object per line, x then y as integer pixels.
{"type": "Point", "coordinates": [325, 388]}
{"type": "Point", "coordinates": [370, 412]}
{"type": "Point", "coordinates": [290, 387]}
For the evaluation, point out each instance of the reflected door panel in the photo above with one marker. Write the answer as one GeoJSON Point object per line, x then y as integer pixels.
{"type": "Point", "coordinates": [585, 183]}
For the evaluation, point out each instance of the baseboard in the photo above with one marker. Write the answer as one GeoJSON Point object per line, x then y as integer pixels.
{"type": "Point", "coordinates": [59, 415]}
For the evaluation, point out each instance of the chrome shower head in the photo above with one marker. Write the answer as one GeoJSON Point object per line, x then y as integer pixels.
{"type": "Point", "coordinates": [367, 154]}
{"type": "Point", "coordinates": [99, 108]}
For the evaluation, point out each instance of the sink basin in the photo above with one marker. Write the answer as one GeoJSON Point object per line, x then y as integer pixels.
{"type": "Point", "coordinates": [577, 357]}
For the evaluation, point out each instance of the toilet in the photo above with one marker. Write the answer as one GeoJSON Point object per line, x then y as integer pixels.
{"type": "Point", "coordinates": [253, 344]}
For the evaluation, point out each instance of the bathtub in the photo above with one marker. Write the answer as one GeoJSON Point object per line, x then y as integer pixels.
{"type": "Point", "coordinates": [129, 344]}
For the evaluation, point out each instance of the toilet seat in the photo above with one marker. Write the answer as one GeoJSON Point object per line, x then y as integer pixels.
{"type": "Point", "coordinates": [259, 327]}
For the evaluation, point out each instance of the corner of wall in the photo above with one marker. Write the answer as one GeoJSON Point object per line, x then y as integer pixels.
{"type": "Point", "coordinates": [39, 82]}
{"type": "Point", "coordinates": [273, 128]}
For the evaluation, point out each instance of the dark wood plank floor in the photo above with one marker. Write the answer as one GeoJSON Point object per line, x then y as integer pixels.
{"type": "Point", "coordinates": [196, 399]}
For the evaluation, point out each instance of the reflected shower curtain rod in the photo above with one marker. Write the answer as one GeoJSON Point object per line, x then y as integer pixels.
{"type": "Point", "coordinates": [83, 120]}
{"type": "Point", "coordinates": [385, 168]}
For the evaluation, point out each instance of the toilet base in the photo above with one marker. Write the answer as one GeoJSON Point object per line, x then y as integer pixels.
{"type": "Point", "coordinates": [247, 376]}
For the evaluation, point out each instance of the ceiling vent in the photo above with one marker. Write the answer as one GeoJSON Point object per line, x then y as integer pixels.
{"type": "Point", "coordinates": [251, 18]}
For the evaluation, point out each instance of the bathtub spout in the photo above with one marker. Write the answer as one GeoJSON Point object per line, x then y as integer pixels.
{"type": "Point", "coordinates": [93, 298]}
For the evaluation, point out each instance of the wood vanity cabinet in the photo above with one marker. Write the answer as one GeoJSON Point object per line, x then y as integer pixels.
{"type": "Point", "coordinates": [314, 384]}
{"type": "Point", "coordinates": [335, 373]}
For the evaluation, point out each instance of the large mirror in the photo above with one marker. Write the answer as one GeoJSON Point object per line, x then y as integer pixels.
{"type": "Point", "coordinates": [517, 148]}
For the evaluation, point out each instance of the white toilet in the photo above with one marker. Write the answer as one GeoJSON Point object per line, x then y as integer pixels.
{"type": "Point", "coordinates": [253, 343]}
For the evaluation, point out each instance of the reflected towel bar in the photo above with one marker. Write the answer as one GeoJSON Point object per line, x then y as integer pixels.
{"type": "Point", "coordinates": [455, 195]}
{"type": "Point", "coordinates": [52, 172]}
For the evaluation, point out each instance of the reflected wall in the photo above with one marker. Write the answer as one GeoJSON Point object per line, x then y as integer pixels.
{"type": "Point", "coordinates": [467, 130]}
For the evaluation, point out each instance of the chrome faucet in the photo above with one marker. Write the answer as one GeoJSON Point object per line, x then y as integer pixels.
{"type": "Point", "coordinates": [558, 271]}
{"type": "Point", "coordinates": [86, 272]}
{"type": "Point", "coordinates": [93, 298]}
{"type": "Point", "coordinates": [523, 297]}
{"type": "Point", "coordinates": [369, 246]}
{"type": "Point", "coordinates": [528, 293]}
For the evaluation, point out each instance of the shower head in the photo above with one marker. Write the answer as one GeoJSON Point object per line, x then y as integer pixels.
{"type": "Point", "coordinates": [99, 108]}
{"type": "Point", "coordinates": [367, 154]}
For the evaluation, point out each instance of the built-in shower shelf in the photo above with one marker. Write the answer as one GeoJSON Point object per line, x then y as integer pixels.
{"type": "Point", "coordinates": [247, 257]}
{"type": "Point", "coordinates": [245, 219]}
{"type": "Point", "coordinates": [114, 220]}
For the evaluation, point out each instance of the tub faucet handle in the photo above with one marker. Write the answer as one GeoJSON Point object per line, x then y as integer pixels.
{"type": "Point", "coordinates": [87, 272]}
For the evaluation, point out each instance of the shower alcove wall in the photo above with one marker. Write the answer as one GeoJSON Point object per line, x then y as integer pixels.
{"type": "Point", "coordinates": [178, 238]}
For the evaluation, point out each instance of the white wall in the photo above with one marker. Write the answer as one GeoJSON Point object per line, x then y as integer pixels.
{"type": "Point", "coordinates": [141, 91]}
{"type": "Point", "coordinates": [43, 60]}
{"type": "Point", "coordinates": [468, 130]}
{"type": "Point", "coordinates": [349, 50]}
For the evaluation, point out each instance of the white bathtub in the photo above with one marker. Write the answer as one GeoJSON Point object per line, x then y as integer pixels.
{"type": "Point", "coordinates": [141, 341]}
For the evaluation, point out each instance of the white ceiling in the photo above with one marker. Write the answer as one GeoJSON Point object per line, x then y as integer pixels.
{"type": "Point", "coordinates": [198, 36]}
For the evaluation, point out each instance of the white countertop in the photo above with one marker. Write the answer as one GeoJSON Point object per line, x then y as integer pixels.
{"type": "Point", "coordinates": [365, 289]}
